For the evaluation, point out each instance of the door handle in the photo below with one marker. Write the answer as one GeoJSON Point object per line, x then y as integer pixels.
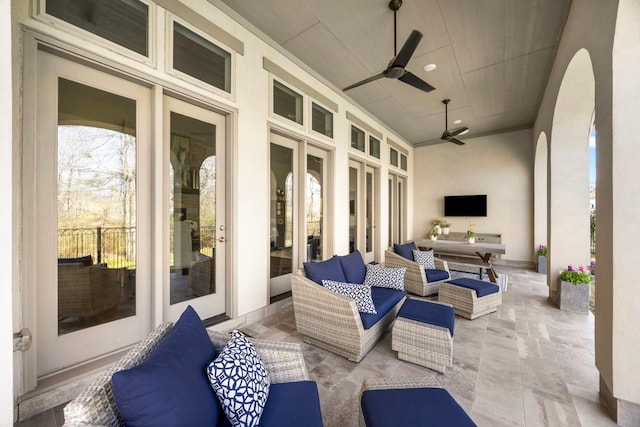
{"type": "Point", "coordinates": [221, 239]}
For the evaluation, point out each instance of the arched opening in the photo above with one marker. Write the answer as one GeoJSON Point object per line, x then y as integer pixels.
{"type": "Point", "coordinates": [568, 198]}
{"type": "Point", "coordinates": [540, 194]}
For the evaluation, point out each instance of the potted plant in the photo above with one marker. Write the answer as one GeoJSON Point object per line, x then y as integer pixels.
{"type": "Point", "coordinates": [436, 226]}
{"type": "Point", "coordinates": [445, 227]}
{"type": "Point", "coordinates": [574, 288]}
{"type": "Point", "coordinates": [471, 235]}
{"type": "Point", "coordinates": [542, 259]}
{"type": "Point", "coordinates": [433, 235]}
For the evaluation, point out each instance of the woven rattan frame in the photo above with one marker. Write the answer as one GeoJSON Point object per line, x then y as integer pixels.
{"type": "Point", "coordinates": [466, 303]}
{"type": "Point", "coordinates": [332, 321]}
{"type": "Point", "coordinates": [415, 279]}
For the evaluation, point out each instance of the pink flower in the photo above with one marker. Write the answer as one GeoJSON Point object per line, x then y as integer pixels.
{"type": "Point", "coordinates": [580, 269]}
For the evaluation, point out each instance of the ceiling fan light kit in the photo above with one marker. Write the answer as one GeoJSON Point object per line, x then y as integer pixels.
{"type": "Point", "coordinates": [396, 68]}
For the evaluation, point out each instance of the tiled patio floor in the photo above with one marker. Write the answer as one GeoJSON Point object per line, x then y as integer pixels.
{"type": "Point", "coordinates": [529, 364]}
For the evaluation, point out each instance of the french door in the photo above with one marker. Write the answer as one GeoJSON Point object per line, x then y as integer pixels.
{"type": "Point", "coordinates": [363, 209]}
{"type": "Point", "coordinates": [397, 209]}
{"type": "Point", "coordinates": [90, 269]}
{"type": "Point", "coordinates": [195, 215]}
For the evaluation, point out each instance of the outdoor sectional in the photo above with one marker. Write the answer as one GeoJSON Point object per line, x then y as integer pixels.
{"type": "Point", "coordinates": [418, 280]}
{"type": "Point", "coordinates": [332, 321]}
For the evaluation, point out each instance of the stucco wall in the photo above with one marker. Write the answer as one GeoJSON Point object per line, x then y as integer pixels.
{"type": "Point", "coordinates": [500, 166]}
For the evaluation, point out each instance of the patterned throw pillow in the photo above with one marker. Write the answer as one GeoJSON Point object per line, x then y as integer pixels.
{"type": "Point", "coordinates": [240, 381]}
{"type": "Point", "coordinates": [385, 277]}
{"type": "Point", "coordinates": [424, 258]}
{"type": "Point", "coordinates": [360, 293]}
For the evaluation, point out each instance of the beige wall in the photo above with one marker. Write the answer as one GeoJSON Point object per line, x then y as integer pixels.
{"type": "Point", "coordinates": [500, 166]}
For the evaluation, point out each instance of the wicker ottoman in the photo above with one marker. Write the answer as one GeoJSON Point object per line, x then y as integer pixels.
{"type": "Point", "coordinates": [423, 334]}
{"type": "Point", "coordinates": [409, 402]}
{"type": "Point", "coordinates": [471, 298]}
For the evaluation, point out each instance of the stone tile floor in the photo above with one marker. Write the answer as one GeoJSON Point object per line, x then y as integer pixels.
{"type": "Point", "coordinates": [528, 364]}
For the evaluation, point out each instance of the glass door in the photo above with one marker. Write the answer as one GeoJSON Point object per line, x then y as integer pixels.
{"type": "Point", "coordinates": [195, 143]}
{"type": "Point", "coordinates": [371, 200]}
{"type": "Point", "coordinates": [89, 270]}
{"type": "Point", "coordinates": [397, 209]}
{"type": "Point", "coordinates": [355, 196]}
{"type": "Point", "coordinates": [315, 197]}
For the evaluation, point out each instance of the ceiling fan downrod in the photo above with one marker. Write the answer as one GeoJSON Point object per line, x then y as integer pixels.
{"type": "Point", "coordinates": [395, 5]}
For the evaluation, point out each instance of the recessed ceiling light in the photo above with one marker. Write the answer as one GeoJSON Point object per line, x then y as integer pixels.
{"type": "Point", "coordinates": [457, 122]}
{"type": "Point", "coordinates": [430, 67]}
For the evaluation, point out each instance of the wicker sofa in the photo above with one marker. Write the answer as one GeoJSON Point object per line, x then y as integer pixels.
{"type": "Point", "coordinates": [96, 405]}
{"type": "Point", "coordinates": [333, 322]}
{"type": "Point", "coordinates": [416, 279]}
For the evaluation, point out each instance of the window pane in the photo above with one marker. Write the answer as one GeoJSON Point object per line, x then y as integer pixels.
{"type": "Point", "coordinates": [370, 191]}
{"type": "Point", "coordinates": [313, 188]}
{"type": "Point", "coordinates": [281, 210]}
{"type": "Point", "coordinates": [96, 209]}
{"type": "Point", "coordinates": [199, 58]}
{"type": "Point", "coordinates": [287, 103]}
{"type": "Point", "coordinates": [353, 208]}
{"type": "Point", "coordinates": [124, 22]}
{"type": "Point", "coordinates": [374, 147]}
{"type": "Point", "coordinates": [357, 138]}
{"type": "Point", "coordinates": [393, 154]}
{"type": "Point", "coordinates": [321, 120]}
{"type": "Point", "coordinates": [403, 162]}
{"type": "Point", "coordinates": [192, 222]}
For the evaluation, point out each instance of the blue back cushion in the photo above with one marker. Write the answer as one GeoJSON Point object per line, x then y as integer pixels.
{"type": "Point", "coordinates": [405, 250]}
{"type": "Point", "coordinates": [384, 299]}
{"type": "Point", "coordinates": [171, 387]}
{"type": "Point", "coordinates": [481, 287]}
{"type": "Point", "coordinates": [433, 274]}
{"type": "Point", "coordinates": [330, 269]}
{"type": "Point", "coordinates": [428, 312]}
{"type": "Point", "coordinates": [353, 267]}
{"type": "Point", "coordinates": [413, 407]}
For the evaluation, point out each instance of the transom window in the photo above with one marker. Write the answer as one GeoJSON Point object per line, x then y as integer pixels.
{"type": "Point", "coordinates": [287, 102]}
{"type": "Point", "coordinates": [403, 162]}
{"type": "Point", "coordinates": [357, 138]}
{"type": "Point", "coordinates": [374, 147]}
{"type": "Point", "coordinates": [321, 120]}
{"type": "Point", "coordinates": [393, 157]}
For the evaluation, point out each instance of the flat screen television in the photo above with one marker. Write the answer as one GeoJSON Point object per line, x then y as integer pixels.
{"type": "Point", "coordinates": [472, 205]}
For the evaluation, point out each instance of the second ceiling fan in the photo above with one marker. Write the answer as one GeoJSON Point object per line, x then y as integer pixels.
{"type": "Point", "coordinates": [396, 68]}
{"type": "Point", "coordinates": [450, 134]}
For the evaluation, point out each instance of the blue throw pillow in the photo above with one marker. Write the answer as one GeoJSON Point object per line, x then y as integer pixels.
{"type": "Point", "coordinates": [330, 269]}
{"type": "Point", "coordinates": [170, 388]}
{"type": "Point", "coordinates": [405, 250]}
{"type": "Point", "coordinates": [240, 381]}
{"type": "Point", "coordinates": [385, 277]}
{"type": "Point", "coordinates": [353, 267]}
{"type": "Point", "coordinates": [360, 293]}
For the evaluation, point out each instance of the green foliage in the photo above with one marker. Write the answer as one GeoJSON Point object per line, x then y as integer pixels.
{"type": "Point", "coordinates": [576, 275]}
{"type": "Point", "coordinates": [542, 250]}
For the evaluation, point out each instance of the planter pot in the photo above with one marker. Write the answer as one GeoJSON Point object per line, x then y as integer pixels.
{"type": "Point", "coordinates": [445, 230]}
{"type": "Point", "coordinates": [542, 264]}
{"type": "Point", "coordinates": [573, 297]}
{"type": "Point", "coordinates": [471, 240]}
{"type": "Point", "coordinates": [437, 229]}
{"type": "Point", "coordinates": [433, 237]}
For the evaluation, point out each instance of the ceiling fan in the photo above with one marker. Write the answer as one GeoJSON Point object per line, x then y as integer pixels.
{"type": "Point", "coordinates": [450, 135]}
{"type": "Point", "coordinates": [396, 67]}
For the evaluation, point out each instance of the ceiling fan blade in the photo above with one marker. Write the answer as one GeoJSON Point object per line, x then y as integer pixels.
{"type": "Point", "coordinates": [415, 81]}
{"type": "Point", "coordinates": [455, 141]}
{"type": "Point", "coordinates": [365, 81]}
{"type": "Point", "coordinates": [458, 131]}
{"type": "Point", "coordinates": [403, 57]}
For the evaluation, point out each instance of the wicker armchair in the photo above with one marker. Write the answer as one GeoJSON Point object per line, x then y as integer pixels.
{"type": "Point", "coordinates": [332, 321]}
{"type": "Point", "coordinates": [415, 279]}
{"type": "Point", "coordinates": [87, 291]}
{"type": "Point", "coordinates": [96, 406]}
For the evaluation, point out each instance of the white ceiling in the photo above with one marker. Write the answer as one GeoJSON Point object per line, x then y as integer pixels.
{"type": "Point", "coordinates": [493, 57]}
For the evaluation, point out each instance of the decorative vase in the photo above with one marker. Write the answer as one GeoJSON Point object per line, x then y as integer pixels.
{"type": "Point", "coordinates": [542, 264]}
{"type": "Point", "coordinates": [437, 229]}
{"type": "Point", "coordinates": [445, 230]}
{"type": "Point", "coordinates": [572, 297]}
{"type": "Point", "coordinates": [471, 240]}
{"type": "Point", "coordinates": [432, 237]}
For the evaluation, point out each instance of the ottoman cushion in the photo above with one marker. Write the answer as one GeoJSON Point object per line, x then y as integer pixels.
{"type": "Point", "coordinates": [412, 407]}
{"type": "Point", "coordinates": [433, 274]}
{"type": "Point", "coordinates": [428, 312]}
{"type": "Point", "coordinates": [481, 287]}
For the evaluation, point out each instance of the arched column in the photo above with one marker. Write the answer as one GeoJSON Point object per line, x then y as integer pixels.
{"type": "Point", "coordinates": [618, 229]}
{"type": "Point", "coordinates": [540, 191]}
{"type": "Point", "coordinates": [568, 174]}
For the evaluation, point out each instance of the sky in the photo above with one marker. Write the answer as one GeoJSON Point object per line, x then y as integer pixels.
{"type": "Point", "coordinates": [592, 158]}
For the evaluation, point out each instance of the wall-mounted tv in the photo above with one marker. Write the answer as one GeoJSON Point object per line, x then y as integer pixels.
{"type": "Point", "coordinates": [473, 205]}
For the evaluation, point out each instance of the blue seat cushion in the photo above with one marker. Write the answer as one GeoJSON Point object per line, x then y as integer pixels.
{"type": "Point", "coordinates": [384, 299]}
{"type": "Point", "coordinates": [481, 287]}
{"type": "Point", "coordinates": [434, 407]}
{"type": "Point", "coordinates": [433, 274]}
{"type": "Point", "coordinates": [428, 312]}
{"type": "Point", "coordinates": [289, 405]}
{"type": "Point", "coordinates": [330, 269]}
{"type": "Point", "coordinates": [353, 267]}
{"type": "Point", "coordinates": [171, 388]}
{"type": "Point", "coordinates": [405, 250]}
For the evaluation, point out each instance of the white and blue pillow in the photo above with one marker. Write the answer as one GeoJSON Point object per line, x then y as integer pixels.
{"type": "Point", "coordinates": [240, 381]}
{"type": "Point", "coordinates": [360, 293]}
{"type": "Point", "coordinates": [424, 258]}
{"type": "Point", "coordinates": [392, 278]}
